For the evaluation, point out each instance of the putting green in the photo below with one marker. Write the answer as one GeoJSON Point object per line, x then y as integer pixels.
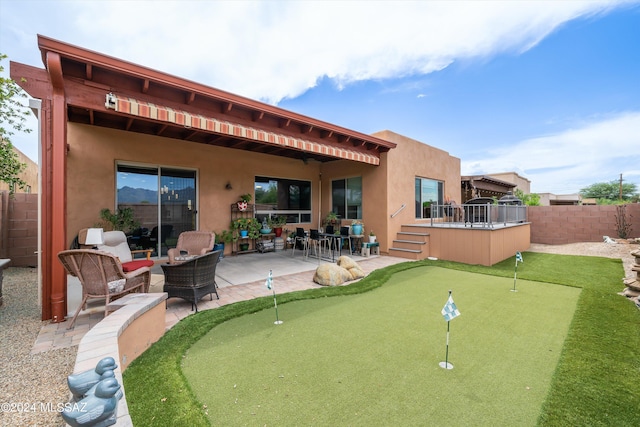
{"type": "Point", "coordinates": [373, 358]}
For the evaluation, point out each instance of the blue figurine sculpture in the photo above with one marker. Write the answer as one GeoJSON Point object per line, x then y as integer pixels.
{"type": "Point", "coordinates": [80, 383]}
{"type": "Point", "coordinates": [96, 410]}
{"type": "Point", "coordinates": [107, 374]}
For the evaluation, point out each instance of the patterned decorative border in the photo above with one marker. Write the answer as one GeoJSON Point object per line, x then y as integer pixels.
{"type": "Point", "coordinates": [165, 114]}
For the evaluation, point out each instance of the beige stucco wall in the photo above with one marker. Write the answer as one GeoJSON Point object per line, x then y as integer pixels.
{"type": "Point", "coordinates": [94, 151]}
{"type": "Point", "coordinates": [411, 159]}
{"type": "Point", "coordinates": [521, 183]}
{"type": "Point", "coordinates": [91, 179]}
{"type": "Point", "coordinates": [29, 175]}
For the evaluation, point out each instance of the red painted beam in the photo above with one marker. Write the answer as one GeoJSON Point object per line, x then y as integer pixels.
{"type": "Point", "coordinates": [58, 189]}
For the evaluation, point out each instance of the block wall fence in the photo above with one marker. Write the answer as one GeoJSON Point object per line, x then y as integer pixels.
{"type": "Point", "coordinates": [557, 225]}
{"type": "Point", "coordinates": [552, 225]}
{"type": "Point", "coordinates": [19, 228]}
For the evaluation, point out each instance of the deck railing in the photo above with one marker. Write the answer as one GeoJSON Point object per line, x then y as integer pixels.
{"type": "Point", "coordinates": [475, 215]}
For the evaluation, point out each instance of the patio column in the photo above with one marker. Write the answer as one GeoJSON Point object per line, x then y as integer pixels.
{"type": "Point", "coordinates": [55, 186]}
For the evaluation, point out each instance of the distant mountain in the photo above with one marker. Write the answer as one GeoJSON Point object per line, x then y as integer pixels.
{"type": "Point", "coordinates": [137, 195]}
{"type": "Point", "coordinates": [142, 195]}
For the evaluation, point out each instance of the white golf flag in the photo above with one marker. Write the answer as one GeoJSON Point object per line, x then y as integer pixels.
{"type": "Point", "coordinates": [519, 258]}
{"type": "Point", "coordinates": [450, 311]}
{"type": "Point", "coordinates": [269, 282]}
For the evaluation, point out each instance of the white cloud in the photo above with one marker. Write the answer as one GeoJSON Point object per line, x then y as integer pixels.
{"type": "Point", "coordinates": [275, 50]}
{"type": "Point", "coordinates": [571, 160]}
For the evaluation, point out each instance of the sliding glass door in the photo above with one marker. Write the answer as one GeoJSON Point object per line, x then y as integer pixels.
{"type": "Point", "coordinates": [163, 201]}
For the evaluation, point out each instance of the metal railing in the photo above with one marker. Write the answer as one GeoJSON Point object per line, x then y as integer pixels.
{"type": "Point", "coordinates": [399, 210]}
{"type": "Point", "coordinates": [475, 215]}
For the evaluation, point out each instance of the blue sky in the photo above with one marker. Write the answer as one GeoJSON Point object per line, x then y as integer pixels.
{"type": "Point", "coordinates": [547, 89]}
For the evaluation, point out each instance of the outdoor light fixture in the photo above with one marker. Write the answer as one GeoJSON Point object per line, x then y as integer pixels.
{"type": "Point", "coordinates": [110, 101]}
{"type": "Point", "coordinates": [228, 186]}
{"type": "Point", "coordinates": [94, 237]}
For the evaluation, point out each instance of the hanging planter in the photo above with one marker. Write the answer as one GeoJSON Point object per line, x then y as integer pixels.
{"type": "Point", "coordinates": [243, 203]}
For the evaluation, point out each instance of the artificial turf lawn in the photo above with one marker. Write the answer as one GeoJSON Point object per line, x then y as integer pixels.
{"type": "Point", "coordinates": [595, 383]}
{"type": "Point", "coordinates": [372, 359]}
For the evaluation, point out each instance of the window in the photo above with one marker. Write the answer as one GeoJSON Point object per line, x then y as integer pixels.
{"type": "Point", "coordinates": [163, 201]}
{"type": "Point", "coordinates": [346, 197]}
{"type": "Point", "coordinates": [428, 191]}
{"type": "Point", "coordinates": [279, 196]}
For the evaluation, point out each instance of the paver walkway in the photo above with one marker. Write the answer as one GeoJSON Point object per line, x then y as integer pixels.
{"type": "Point", "coordinates": [56, 335]}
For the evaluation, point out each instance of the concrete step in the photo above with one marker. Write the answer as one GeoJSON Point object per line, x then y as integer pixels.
{"type": "Point", "coordinates": [413, 236]}
{"type": "Point", "coordinates": [409, 244]}
{"type": "Point", "coordinates": [405, 253]}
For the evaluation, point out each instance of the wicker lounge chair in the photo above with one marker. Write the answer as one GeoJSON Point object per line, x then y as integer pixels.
{"type": "Point", "coordinates": [192, 243]}
{"type": "Point", "coordinates": [193, 279]}
{"type": "Point", "coordinates": [101, 276]}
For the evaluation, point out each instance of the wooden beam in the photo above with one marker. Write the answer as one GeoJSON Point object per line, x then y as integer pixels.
{"type": "Point", "coordinates": [256, 116]}
{"type": "Point", "coordinates": [306, 129]}
{"type": "Point", "coordinates": [57, 209]}
{"type": "Point", "coordinates": [129, 123]}
{"type": "Point", "coordinates": [191, 97]}
{"type": "Point", "coordinates": [191, 135]}
{"type": "Point", "coordinates": [89, 71]}
{"type": "Point", "coordinates": [91, 117]}
{"type": "Point", "coordinates": [284, 123]}
{"type": "Point", "coordinates": [325, 134]}
{"type": "Point", "coordinates": [162, 129]}
{"type": "Point", "coordinates": [145, 85]}
{"type": "Point", "coordinates": [226, 107]}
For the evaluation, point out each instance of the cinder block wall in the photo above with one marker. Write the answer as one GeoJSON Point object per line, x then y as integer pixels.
{"type": "Point", "coordinates": [557, 225]}
{"type": "Point", "coordinates": [22, 230]}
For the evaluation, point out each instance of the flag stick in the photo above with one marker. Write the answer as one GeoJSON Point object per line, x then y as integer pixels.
{"type": "Point", "coordinates": [446, 364]}
{"type": "Point", "coordinates": [275, 303]}
{"type": "Point", "coordinates": [446, 356]}
{"type": "Point", "coordinates": [515, 275]}
{"type": "Point", "coordinates": [269, 284]}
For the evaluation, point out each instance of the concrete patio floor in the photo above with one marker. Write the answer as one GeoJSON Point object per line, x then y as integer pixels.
{"type": "Point", "coordinates": [239, 278]}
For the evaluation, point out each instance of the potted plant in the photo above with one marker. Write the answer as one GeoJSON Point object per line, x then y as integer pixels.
{"type": "Point", "coordinates": [225, 236]}
{"type": "Point", "coordinates": [372, 237]}
{"type": "Point", "coordinates": [356, 227]}
{"type": "Point", "coordinates": [243, 203]}
{"type": "Point", "coordinates": [331, 219]}
{"type": "Point", "coordinates": [276, 222]}
{"type": "Point", "coordinates": [245, 228]}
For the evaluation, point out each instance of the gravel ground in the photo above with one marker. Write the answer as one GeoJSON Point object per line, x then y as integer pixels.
{"type": "Point", "coordinates": [36, 383]}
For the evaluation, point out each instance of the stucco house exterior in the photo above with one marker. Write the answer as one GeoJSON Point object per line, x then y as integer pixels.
{"type": "Point", "coordinates": [107, 124]}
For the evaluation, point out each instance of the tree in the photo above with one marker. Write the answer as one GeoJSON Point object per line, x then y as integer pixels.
{"type": "Point", "coordinates": [532, 199]}
{"type": "Point", "coordinates": [13, 115]}
{"type": "Point", "coordinates": [609, 191]}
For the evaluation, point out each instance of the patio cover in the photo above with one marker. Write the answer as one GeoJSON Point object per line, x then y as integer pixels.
{"type": "Point", "coordinates": [164, 114]}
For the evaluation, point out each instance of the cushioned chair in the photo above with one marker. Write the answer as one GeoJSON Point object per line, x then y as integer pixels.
{"type": "Point", "coordinates": [192, 243]}
{"type": "Point", "coordinates": [115, 242]}
{"type": "Point", "coordinates": [101, 276]}
{"type": "Point", "coordinates": [193, 279]}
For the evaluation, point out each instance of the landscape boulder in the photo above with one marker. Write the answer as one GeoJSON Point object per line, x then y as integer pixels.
{"type": "Point", "coordinates": [331, 275]}
{"type": "Point", "coordinates": [351, 266]}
